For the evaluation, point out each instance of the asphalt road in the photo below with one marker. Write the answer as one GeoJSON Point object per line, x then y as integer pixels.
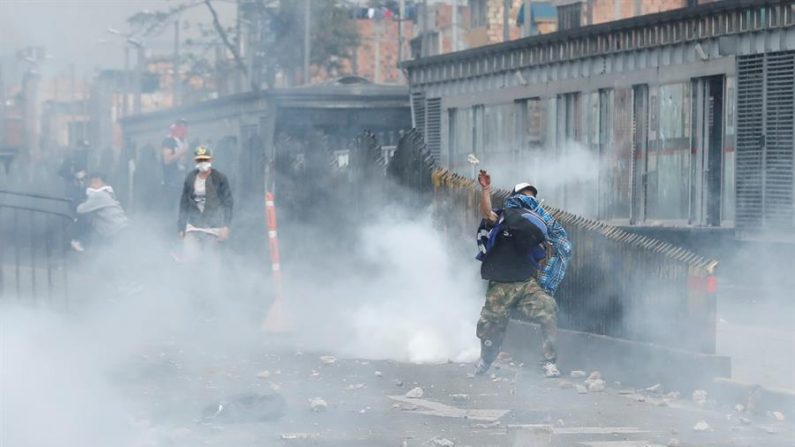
{"type": "Point", "coordinates": [190, 398]}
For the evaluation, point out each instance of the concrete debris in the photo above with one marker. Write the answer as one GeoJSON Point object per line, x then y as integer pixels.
{"type": "Point", "coordinates": [495, 424]}
{"type": "Point", "coordinates": [779, 416]}
{"type": "Point", "coordinates": [328, 359]}
{"type": "Point", "coordinates": [577, 374]}
{"type": "Point", "coordinates": [317, 404]}
{"type": "Point", "coordinates": [297, 436]}
{"type": "Point", "coordinates": [702, 426]}
{"type": "Point", "coordinates": [596, 386]}
{"type": "Point", "coordinates": [415, 393]}
{"type": "Point", "coordinates": [460, 397]}
{"type": "Point", "coordinates": [739, 408]}
{"type": "Point", "coordinates": [596, 375]}
{"type": "Point", "coordinates": [673, 442]}
{"type": "Point", "coordinates": [379, 374]}
{"type": "Point", "coordinates": [581, 389]}
{"type": "Point", "coordinates": [263, 374]}
{"type": "Point", "coordinates": [673, 395]}
{"type": "Point", "coordinates": [654, 388]}
{"type": "Point", "coordinates": [439, 442]}
{"type": "Point", "coordinates": [700, 397]}
{"type": "Point", "coordinates": [315, 373]}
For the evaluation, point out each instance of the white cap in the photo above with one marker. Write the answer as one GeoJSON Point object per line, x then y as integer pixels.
{"type": "Point", "coordinates": [520, 186]}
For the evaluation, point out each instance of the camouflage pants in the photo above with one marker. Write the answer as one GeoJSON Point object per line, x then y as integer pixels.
{"type": "Point", "coordinates": [529, 299]}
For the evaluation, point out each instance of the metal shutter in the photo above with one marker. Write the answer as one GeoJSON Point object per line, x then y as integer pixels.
{"type": "Point", "coordinates": [765, 113]}
{"type": "Point", "coordinates": [418, 111]}
{"type": "Point", "coordinates": [433, 127]}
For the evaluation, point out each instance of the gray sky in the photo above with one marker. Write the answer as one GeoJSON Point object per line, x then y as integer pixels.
{"type": "Point", "coordinates": [72, 31]}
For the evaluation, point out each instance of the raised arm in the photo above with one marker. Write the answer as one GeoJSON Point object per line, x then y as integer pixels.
{"type": "Point", "coordinates": [485, 197]}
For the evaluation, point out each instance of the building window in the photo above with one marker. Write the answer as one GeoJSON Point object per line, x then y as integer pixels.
{"type": "Point", "coordinates": [478, 13]}
{"type": "Point", "coordinates": [569, 16]}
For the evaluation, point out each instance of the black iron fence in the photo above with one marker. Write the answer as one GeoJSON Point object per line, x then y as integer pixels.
{"type": "Point", "coordinates": [618, 283]}
{"type": "Point", "coordinates": [34, 241]}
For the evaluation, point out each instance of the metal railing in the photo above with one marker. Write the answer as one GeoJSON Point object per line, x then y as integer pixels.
{"type": "Point", "coordinates": [618, 283]}
{"type": "Point", "coordinates": [34, 243]}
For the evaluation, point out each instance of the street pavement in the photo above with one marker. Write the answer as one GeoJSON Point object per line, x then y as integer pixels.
{"type": "Point", "coordinates": [227, 398]}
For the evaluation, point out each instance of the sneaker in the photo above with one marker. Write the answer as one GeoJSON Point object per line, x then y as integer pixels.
{"type": "Point", "coordinates": [76, 246]}
{"type": "Point", "coordinates": [551, 370]}
{"type": "Point", "coordinates": [481, 367]}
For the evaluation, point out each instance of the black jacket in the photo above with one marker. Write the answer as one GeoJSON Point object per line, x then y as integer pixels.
{"type": "Point", "coordinates": [217, 208]}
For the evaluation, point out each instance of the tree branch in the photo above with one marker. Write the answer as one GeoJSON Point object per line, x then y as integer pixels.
{"type": "Point", "coordinates": [220, 30]}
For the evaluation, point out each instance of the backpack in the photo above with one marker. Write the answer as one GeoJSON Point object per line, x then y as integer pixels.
{"type": "Point", "coordinates": [525, 227]}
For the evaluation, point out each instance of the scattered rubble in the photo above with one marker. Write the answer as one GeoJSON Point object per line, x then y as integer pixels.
{"type": "Point", "coordinates": [654, 388]}
{"type": "Point", "coordinates": [297, 436]}
{"type": "Point", "coordinates": [702, 426]}
{"type": "Point", "coordinates": [415, 393]}
{"type": "Point", "coordinates": [596, 386]}
{"type": "Point", "coordinates": [700, 397]}
{"type": "Point", "coordinates": [495, 424]}
{"type": "Point", "coordinates": [577, 374]}
{"type": "Point", "coordinates": [317, 404]}
{"type": "Point", "coordinates": [328, 359]}
{"type": "Point", "coordinates": [460, 397]}
{"type": "Point", "coordinates": [439, 442]}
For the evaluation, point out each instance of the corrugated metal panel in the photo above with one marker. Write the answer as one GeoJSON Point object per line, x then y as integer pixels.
{"type": "Point", "coordinates": [778, 148]}
{"type": "Point", "coordinates": [765, 114]}
{"type": "Point", "coordinates": [418, 110]}
{"type": "Point", "coordinates": [433, 127]}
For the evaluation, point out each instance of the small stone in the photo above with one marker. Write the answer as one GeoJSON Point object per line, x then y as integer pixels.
{"type": "Point", "coordinates": [296, 436]}
{"type": "Point", "coordinates": [460, 397]}
{"type": "Point", "coordinates": [398, 383]}
{"type": "Point", "coordinates": [263, 374]}
{"type": "Point", "coordinates": [315, 373]}
{"type": "Point", "coordinates": [328, 359]}
{"type": "Point", "coordinates": [415, 393]}
{"type": "Point", "coordinates": [379, 374]}
{"type": "Point", "coordinates": [595, 375]}
{"type": "Point", "coordinates": [739, 408]}
{"type": "Point", "coordinates": [701, 426]}
{"type": "Point", "coordinates": [779, 416]}
{"type": "Point", "coordinates": [494, 424]}
{"type": "Point", "coordinates": [654, 388]}
{"type": "Point", "coordinates": [439, 442]}
{"type": "Point", "coordinates": [700, 397]}
{"type": "Point", "coordinates": [577, 374]}
{"type": "Point", "coordinates": [317, 404]}
{"type": "Point", "coordinates": [596, 386]}
{"type": "Point", "coordinates": [744, 420]}
{"type": "Point", "coordinates": [560, 423]}
{"type": "Point", "coordinates": [581, 389]}
{"type": "Point", "coordinates": [673, 442]}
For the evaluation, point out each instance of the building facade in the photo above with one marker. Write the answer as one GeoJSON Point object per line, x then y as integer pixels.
{"type": "Point", "coordinates": [681, 118]}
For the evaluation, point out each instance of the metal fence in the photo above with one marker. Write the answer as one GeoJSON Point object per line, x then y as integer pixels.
{"type": "Point", "coordinates": [34, 242]}
{"type": "Point", "coordinates": [618, 283]}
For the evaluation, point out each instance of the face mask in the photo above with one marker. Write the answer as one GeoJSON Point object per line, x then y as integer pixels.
{"type": "Point", "coordinates": [107, 188]}
{"type": "Point", "coordinates": [203, 166]}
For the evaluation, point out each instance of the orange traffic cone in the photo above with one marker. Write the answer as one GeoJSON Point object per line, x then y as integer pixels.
{"type": "Point", "coordinates": [276, 320]}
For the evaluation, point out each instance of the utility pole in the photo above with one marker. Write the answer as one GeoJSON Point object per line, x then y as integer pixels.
{"type": "Point", "coordinates": [506, 20]}
{"type": "Point", "coordinates": [307, 43]}
{"type": "Point", "coordinates": [454, 43]}
{"type": "Point", "coordinates": [139, 77]}
{"type": "Point", "coordinates": [176, 79]}
{"type": "Point", "coordinates": [402, 13]}
{"type": "Point", "coordinates": [528, 18]}
{"type": "Point", "coordinates": [125, 100]}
